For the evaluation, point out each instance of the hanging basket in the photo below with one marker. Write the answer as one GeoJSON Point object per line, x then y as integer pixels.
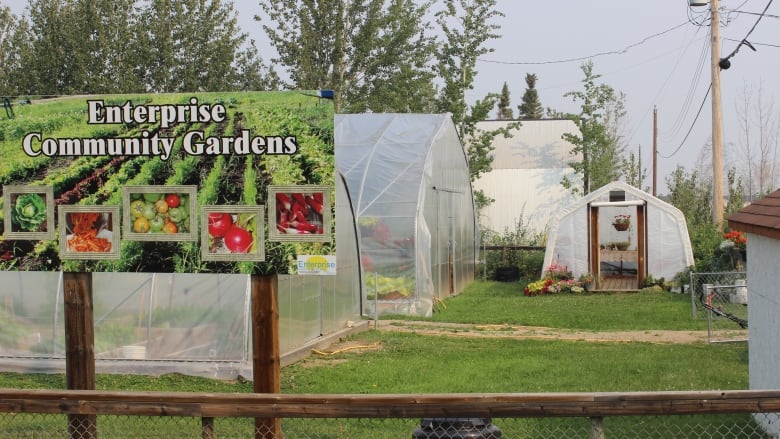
{"type": "Point", "coordinates": [621, 227]}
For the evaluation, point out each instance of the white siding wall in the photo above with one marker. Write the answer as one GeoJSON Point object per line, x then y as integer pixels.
{"type": "Point", "coordinates": [535, 195]}
{"type": "Point", "coordinates": [764, 315]}
{"type": "Point", "coordinates": [527, 172]}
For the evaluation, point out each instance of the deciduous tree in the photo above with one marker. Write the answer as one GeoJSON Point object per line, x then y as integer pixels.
{"type": "Point", "coordinates": [467, 25]}
{"type": "Point", "coordinates": [193, 45]}
{"type": "Point", "coordinates": [15, 52]}
{"type": "Point", "coordinates": [757, 148]}
{"type": "Point", "coordinates": [597, 141]}
{"type": "Point", "coordinates": [123, 46]}
{"type": "Point", "coordinates": [374, 54]}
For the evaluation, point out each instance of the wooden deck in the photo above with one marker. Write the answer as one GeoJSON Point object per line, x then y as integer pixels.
{"type": "Point", "coordinates": [618, 283]}
{"type": "Point", "coordinates": [619, 271]}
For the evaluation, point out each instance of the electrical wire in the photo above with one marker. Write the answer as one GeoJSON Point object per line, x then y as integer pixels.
{"type": "Point", "coordinates": [583, 58]}
{"type": "Point", "coordinates": [744, 40]}
{"type": "Point", "coordinates": [754, 43]}
{"type": "Point", "coordinates": [697, 19]}
{"type": "Point", "coordinates": [695, 80]}
{"type": "Point", "coordinates": [757, 13]}
{"type": "Point", "coordinates": [691, 128]}
{"type": "Point", "coordinates": [689, 97]}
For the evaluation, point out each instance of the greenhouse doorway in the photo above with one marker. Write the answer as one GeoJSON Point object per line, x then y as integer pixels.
{"type": "Point", "coordinates": [617, 241]}
{"type": "Point", "coordinates": [446, 226]}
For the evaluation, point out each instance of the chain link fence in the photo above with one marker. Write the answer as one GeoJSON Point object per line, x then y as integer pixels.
{"type": "Point", "coordinates": [726, 426]}
{"type": "Point", "coordinates": [721, 298]}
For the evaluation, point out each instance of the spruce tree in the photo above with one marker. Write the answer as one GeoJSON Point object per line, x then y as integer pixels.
{"type": "Point", "coordinates": [504, 109]}
{"type": "Point", "coordinates": [531, 108]}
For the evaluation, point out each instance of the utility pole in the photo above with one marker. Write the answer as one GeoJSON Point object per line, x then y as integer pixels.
{"type": "Point", "coordinates": [717, 119]}
{"type": "Point", "coordinates": [655, 150]}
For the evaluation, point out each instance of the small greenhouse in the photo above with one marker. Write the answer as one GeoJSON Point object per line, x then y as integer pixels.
{"type": "Point", "coordinates": [408, 180]}
{"type": "Point", "coordinates": [620, 235]}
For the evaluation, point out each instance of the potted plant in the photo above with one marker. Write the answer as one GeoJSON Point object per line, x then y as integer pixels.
{"type": "Point", "coordinates": [622, 245]}
{"type": "Point", "coordinates": [587, 280]}
{"type": "Point", "coordinates": [621, 222]}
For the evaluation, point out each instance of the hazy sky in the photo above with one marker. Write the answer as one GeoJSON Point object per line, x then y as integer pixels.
{"type": "Point", "coordinates": [657, 53]}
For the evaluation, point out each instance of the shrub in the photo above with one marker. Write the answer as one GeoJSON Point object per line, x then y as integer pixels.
{"type": "Point", "coordinates": [528, 261]}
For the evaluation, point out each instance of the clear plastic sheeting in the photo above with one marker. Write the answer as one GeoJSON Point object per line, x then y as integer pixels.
{"type": "Point", "coordinates": [155, 323]}
{"type": "Point", "coordinates": [668, 245]}
{"type": "Point", "coordinates": [408, 180]}
{"type": "Point", "coordinates": [32, 322]}
{"type": "Point", "coordinates": [171, 316]}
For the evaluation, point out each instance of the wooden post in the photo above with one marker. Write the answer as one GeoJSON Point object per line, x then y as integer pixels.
{"type": "Point", "coordinates": [597, 427]}
{"type": "Point", "coordinates": [595, 249]}
{"type": "Point", "coordinates": [717, 118]}
{"type": "Point", "coordinates": [265, 348]}
{"type": "Point", "coordinates": [79, 347]}
{"type": "Point", "coordinates": [207, 428]}
{"type": "Point", "coordinates": [641, 244]}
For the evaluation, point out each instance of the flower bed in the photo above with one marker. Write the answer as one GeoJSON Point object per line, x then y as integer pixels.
{"type": "Point", "coordinates": [557, 280]}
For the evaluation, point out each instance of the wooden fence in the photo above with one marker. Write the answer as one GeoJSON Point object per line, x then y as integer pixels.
{"type": "Point", "coordinates": [267, 407]}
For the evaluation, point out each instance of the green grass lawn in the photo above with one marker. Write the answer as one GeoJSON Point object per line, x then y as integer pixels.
{"type": "Point", "coordinates": [414, 363]}
{"type": "Point", "coordinates": [411, 363]}
{"type": "Point", "coordinates": [504, 303]}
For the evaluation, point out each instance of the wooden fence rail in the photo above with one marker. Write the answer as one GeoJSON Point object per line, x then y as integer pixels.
{"type": "Point", "coordinates": [216, 405]}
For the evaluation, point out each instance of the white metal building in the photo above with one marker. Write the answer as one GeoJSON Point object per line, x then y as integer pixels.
{"type": "Point", "coordinates": [528, 168]}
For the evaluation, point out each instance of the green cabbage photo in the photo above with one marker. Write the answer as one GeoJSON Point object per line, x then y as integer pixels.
{"type": "Point", "coordinates": [29, 213]}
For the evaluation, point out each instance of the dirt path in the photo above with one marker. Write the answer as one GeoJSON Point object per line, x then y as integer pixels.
{"type": "Point", "coordinates": [538, 332]}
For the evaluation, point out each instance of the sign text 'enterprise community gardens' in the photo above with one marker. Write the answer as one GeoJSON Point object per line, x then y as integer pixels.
{"type": "Point", "coordinates": [151, 143]}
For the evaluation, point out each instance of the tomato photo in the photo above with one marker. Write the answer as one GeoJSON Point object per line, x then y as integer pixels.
{"type": "Point", "coordinates": [172, 200]}
{"type": "Point", "coordinates": [233, 231]}
{"type": "Point", "coordinates": [166, 213]}
{"type": "Point", "coordinates": [170, 227]}
{"type": "Point", "coordinates": [238, 240]}
{"type": "Point", "coordinates": [219, 224]}
{"type": "Point", "coordinates": [137, 208]}
{"type": "Point", "coordinates": [141, 225]}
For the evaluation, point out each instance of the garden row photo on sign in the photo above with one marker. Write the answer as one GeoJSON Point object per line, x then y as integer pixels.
{"type": "Point", "coordinates": [168, 213]}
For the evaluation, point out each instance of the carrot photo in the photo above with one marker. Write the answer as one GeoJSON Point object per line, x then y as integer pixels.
{"type": "Point", "coordinates": [89, 232]}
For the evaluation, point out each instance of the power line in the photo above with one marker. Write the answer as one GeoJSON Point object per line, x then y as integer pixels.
{"type": "Point", "coordinates": [744, 40]}
{"type": "Point", "coordinates": [679, 120]}
{"type": "Point", "coordinates": [753, 42]}
{"type": "Point", "coordinates": [757, 13]}
{"type": "Point", "coordinates": [692, 125]}
{"type": "Point", "coordinates": [688, 98]}
{"type": "Point", "coordinates": [583, 58]}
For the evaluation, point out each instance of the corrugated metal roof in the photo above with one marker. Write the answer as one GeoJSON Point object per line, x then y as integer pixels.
{"type": "Point", "coordinates": [761, 217]}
